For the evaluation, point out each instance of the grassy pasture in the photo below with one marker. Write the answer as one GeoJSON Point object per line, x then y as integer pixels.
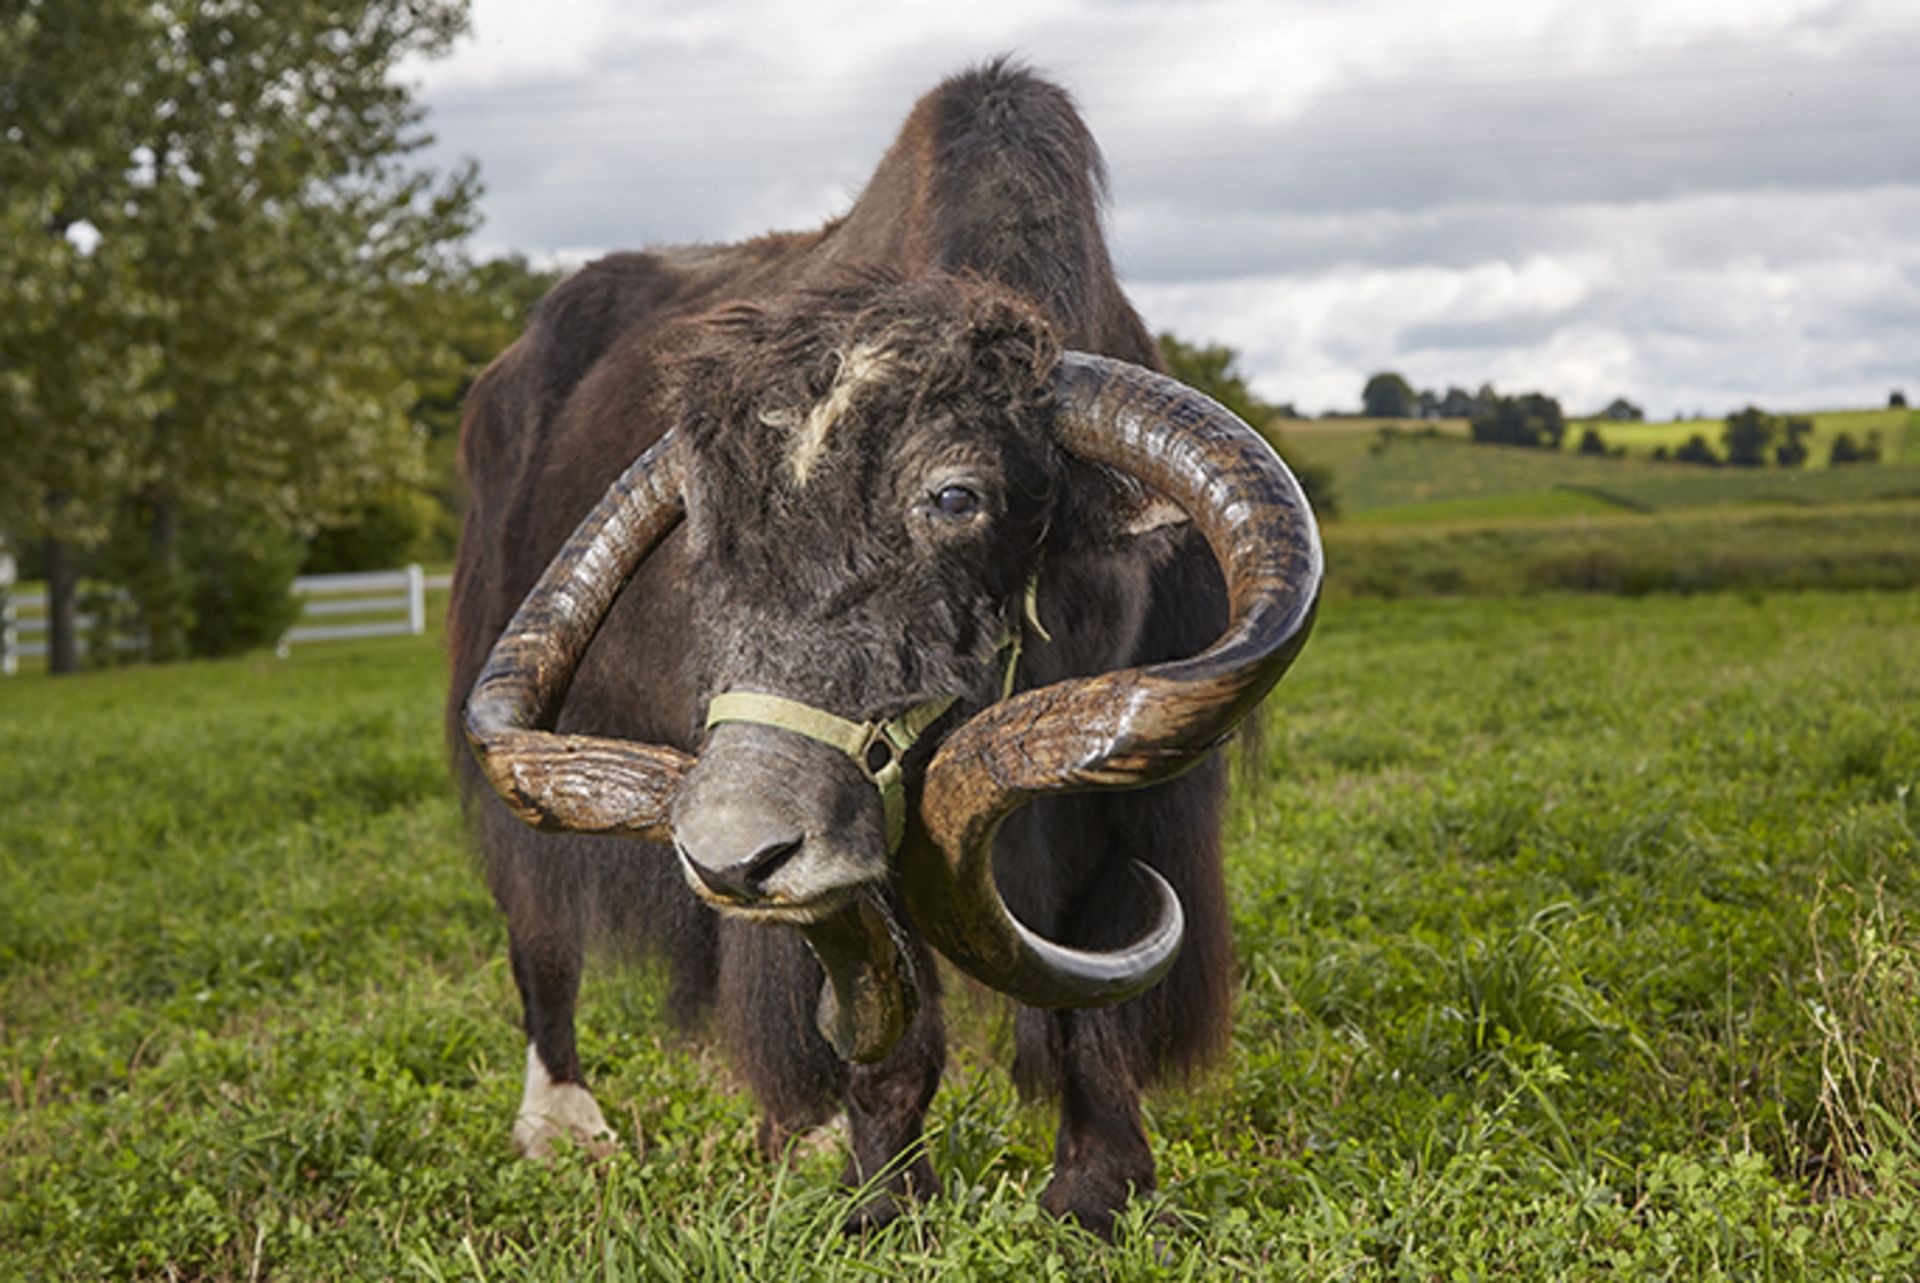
{"type": "Point", "coordinates": [1444, 478]}
{"type": "Point", "coordinates": [1576, 939]}
{"type": "Point", "coordinates": [1704, 550]}
{"type": "Point", "coordinates": [1423, 470]}
{"type": "Point", "coordinates": [1340, 443]}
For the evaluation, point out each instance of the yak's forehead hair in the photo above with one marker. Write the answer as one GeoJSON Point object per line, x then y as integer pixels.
{"type": "Point", "coordinates": [763, 387]}
{"type": "Point", "coordinates": [868, 364]}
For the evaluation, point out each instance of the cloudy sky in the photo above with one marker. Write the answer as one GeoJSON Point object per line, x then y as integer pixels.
{"type": "Point", "coordinates": [1692, 203]}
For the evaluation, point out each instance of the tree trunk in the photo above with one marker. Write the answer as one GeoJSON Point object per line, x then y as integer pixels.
{"type": "Point", "coordinates": [63, 640]}
{"type": "Point", "coordinates": [165, 606]}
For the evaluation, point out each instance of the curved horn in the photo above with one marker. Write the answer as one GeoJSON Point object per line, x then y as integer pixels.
{"type": "Point", "coordinates": [579, 783]}
{"type": "Point", "coordinates": [591, 784]}
{"type": "Point", "coordinates": [1123, 729]}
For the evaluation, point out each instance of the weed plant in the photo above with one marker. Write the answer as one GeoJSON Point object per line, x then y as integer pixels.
{"type": "Point", "coordinates": [1576, 941]}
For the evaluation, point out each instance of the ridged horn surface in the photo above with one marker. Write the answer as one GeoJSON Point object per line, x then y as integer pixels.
{"type": "Point", "coordinates": [1131, 727]}
{"type": "Point", "coordinates": [579, 783]}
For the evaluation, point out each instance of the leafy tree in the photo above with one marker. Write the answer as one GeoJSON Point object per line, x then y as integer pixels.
{"type": "Point", "coordinates": [1747, 435]}
{"type": "Point", "coordinates": [1697, 451]}
{"type": "Point", "coordinates": [1845, 449]}
{"type": "Point", "coordinates": [1621, 410]}
{"type": "Point", "coordinates": [1387, 396]}
{"type": "Point", "coordinates": [1792, 451]}
{"type": "Point", "coordinates": [241, 172]}
{"type": "Point", "coordinates": [1530, 419]}
{"type": "Point", "coordinates": [1210, 369]}
{"type": "Point", "coordinates": [76, 322]}
{"type": "Point", "coordinates": [1896, 400]}
{"type": "Point", "coordinates": [1458, 403]}
{"type": "Point", "coordinates": [476, 311]}
{"type": "Point", "coordinates": [1591, 442]}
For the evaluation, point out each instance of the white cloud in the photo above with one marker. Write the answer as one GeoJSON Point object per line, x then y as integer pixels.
{"type": "Point", "coordinates": [1679, 200]}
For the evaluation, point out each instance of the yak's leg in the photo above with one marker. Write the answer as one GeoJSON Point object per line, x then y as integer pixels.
{"type": "Point", "coordinates": [1097, 1061]}
{"type": "Point", "coordinates": [887, 1106]}
{"type": "Point", "coordinates": [767, 989]}
{"type": "Point", "coordinates": [555, 1102]}
{"type": "Point", "coordinates": [1101, 1157]}
{"type": "Point", "coordinates": [768, 993]}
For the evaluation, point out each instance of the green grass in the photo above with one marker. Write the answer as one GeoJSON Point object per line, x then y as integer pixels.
{"type": "Point", "coordinates": [1700, 550]}
{"type": "Point", "coordinates": [1528, 505]}
{"type": "Point", "coordinates": [1422, 470]}
{"type": "Point", "coordinates": [1671, 488]}
{"type": "Point", "coordinates": [1446, 478]}
{"type": "Point", "coordinates": [1576, 941]}
{"type": "Point", "coordinates": [1341, 443]}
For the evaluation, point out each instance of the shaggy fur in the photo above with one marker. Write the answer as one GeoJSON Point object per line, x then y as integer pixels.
{"type": "Point", "coordinates": [807, 565]}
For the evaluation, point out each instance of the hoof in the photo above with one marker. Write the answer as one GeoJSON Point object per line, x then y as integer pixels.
{"type": "Point", "coordinates": [1090, 1200]}
{"type": "Point", "coordinates": [534, 1135]}
{"type": "Point", "coordinates": [550, 1111]}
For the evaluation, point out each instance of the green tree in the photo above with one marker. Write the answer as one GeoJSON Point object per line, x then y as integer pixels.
{"type": "Point", "coordinates": [476, 310]}
{"type": "Point", "coordinates": [1845, 449]}
{"type": "Point", "coordinates": [1747, 435]}
{"type": "Point", "coordinates": [1530, 419]}
{"type": "Point", "coordinates": [1793, 450]}
{"type": "Point", "coordinates": [1210, 369]}
{"type": "Point", "coordinates": [1388, 396]}
{"type": "Point", "coordinates": [76, 322]}
{"type": "Point", "coordinates": [1696, 451]}
{"type": "Point", "coordinates": [244, 168]}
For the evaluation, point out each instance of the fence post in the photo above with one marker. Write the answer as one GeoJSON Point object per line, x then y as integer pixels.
{"type": "Point", "coordinates": [416, 599]}
{"type": "Point", "coordinates": [9, 634]}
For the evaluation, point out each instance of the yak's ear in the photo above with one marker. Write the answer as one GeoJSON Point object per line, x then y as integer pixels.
{"type": "Point", "coordinates": [1104, 509]}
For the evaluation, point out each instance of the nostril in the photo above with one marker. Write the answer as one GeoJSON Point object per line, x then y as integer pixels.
{"type": "Point", "coordinates": [744, 879]}
{"type": "Point", "coordinates": [767, 861]}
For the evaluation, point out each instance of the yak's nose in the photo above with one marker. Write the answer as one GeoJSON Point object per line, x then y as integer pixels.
{"type": "Point", "coordinates": [734, 852]}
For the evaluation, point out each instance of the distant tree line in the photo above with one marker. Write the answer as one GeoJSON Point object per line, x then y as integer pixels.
{"type": "Point", "coordinates": [1750, 438]}
{"type": "Point", "coordinates": [1530, 418]}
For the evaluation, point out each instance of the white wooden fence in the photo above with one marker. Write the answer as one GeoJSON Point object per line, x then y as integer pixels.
{"type": "Point", "coordinates": [400, 607]}
{"type": "Point", "coordinates": [377, 603]}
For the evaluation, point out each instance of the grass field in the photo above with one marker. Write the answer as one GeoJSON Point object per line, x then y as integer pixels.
{"type": "Point", "coordinates": [1868, 546]}
{"type": "Point", "coordinates": [1342, 443]}
{"type": "Point", "coordinates": [1446, 478]}
{"type": "Point", "coordinates": [1576, 941]}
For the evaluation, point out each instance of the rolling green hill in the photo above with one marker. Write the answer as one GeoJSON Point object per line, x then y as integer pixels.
{"type": "Point", "coordinates": [1445, 477]}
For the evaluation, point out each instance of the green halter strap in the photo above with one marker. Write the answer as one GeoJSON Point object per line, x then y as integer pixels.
{"type": "Point", "coordinates": [875, 747]}
{"type": "Point", "coordinates": [878, 747]}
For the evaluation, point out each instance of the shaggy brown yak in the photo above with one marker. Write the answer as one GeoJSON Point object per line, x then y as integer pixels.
{"type": "Point", "coordinates": [837, 494]}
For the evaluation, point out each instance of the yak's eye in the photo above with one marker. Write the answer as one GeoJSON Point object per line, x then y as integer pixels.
{"type": "Point", "coordinates": [956, 501]}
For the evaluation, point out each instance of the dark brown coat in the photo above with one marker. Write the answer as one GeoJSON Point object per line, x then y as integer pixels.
{"type": "Point", "coordinates": [993, 180]}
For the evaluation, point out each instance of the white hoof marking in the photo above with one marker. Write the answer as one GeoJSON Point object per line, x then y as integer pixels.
{"type": "Point", "coordinates": [550, 1110]}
